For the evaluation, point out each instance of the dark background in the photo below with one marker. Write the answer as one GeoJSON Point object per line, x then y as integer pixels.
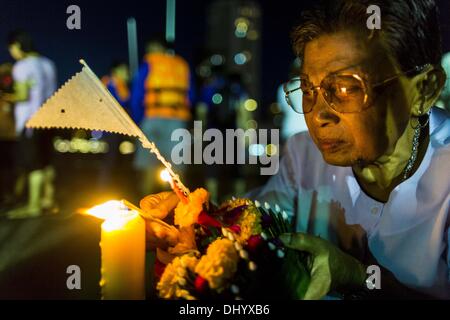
{"type": "Point", "coordinates": [103, 34]}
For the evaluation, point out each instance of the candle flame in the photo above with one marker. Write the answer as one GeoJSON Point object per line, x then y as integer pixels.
{"type": "Point", "coordinates": [107, 210]}
{"type": "Point", "coordinates": [165, 175]}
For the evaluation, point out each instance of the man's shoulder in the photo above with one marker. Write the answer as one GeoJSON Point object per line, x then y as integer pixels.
{"type": "Point", "coordinates": [32, 63]}
{"type": "Point", "coordinates": [21, 69]}
{"type": "Point", "coordinates": [440, 130]}
{"type": "Point", "coordinates": [21, 64]}
{"type": "Point", "coordinates": [47, 61]}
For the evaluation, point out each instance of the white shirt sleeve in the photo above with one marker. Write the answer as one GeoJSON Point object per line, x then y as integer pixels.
{"type": "Point", "coordinates": [20, 72]}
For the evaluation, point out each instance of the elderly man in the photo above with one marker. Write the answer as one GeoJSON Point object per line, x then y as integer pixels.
{"type": "Point", "coordinates": [369, 184]}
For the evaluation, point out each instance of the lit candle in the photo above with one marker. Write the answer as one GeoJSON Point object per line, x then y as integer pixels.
{"type": "Point", "coordinates": [123, 251]}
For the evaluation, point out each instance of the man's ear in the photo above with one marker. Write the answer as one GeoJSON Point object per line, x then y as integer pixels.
{"type": "Point", "coordinates": [429, 85]}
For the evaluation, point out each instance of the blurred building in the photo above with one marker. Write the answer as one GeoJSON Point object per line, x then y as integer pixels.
{"type": "Point", "coordinates": [234, 39]}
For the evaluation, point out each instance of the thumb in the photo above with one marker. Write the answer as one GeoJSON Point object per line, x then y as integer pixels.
{"type": "Point", "coordinates": [300, 241]}
{"type": "Point", "coordinates": [159, 205]}
{"type": "Point", "coordinates": [319, 285]}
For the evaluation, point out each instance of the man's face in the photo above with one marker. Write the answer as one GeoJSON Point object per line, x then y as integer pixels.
{"type": "Point", "coordinates": [154, 47]}
{"type": "Point", "coordinates": [346, 139]}
{"type": "Point", "coordinates": [15, 51]}
{"type": "Point", "coordinates": [122, 72]}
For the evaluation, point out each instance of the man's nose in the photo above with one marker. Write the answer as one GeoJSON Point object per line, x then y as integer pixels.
{"type": "Point", "coordinates": [324, 114]}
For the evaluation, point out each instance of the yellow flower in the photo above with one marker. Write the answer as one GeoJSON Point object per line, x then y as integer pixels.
{"type": "Point", "coordinates": [236, 203]}
{"type": "Point", "coordinates": [186, 214]}
{"type": "Point", "coordinates": [219, 264]}
{"type": "Point", "coordinates": [249, 221]}
{"type": "Point", "coordinates": [170, 285]}
{"type": "Point", "coordinates": [250, 224]}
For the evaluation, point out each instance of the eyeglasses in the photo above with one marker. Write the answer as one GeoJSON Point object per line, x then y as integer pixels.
{"type": "Point", "coordinates": [343, 92]}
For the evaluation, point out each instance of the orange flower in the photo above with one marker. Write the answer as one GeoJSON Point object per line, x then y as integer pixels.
{"type": "Point", "coordinates": [186, 214]}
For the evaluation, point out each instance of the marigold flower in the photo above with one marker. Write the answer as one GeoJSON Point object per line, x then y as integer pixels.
{"type": "Point", "coordinates": [219, 264]}
{"type": "Point", "coordinates": [186, 214]}
{"type": "Point", "coordinates": [249, 221]}
{"type": "Point", "coordinates": [175, 273]}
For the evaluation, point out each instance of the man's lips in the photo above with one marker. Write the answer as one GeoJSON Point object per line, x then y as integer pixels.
{"type": "Point", "coordinates": [330, 144]}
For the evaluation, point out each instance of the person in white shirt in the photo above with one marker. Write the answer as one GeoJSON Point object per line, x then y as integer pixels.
{"type": "Point", "coordinates": [34, 82]}
{"type": "Point", "coordinates": [369, 185]}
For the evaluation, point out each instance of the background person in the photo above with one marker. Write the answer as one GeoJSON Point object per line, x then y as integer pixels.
{"type": "Point", "coordinates": [34, 81]}
{"type": "Point", "coordinates": [116, 82]}
{"type": "Point", "coordinates": [160, 104]}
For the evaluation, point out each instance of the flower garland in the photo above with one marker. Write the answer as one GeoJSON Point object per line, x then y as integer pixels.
{"type": "Point", "coordinates": [222, 251]}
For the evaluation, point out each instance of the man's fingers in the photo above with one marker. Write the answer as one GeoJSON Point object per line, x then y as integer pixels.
{"type": "Point", "coordinates": [152, 201]}
{"type": "Point", "coordinates": [169, 203]}
{"type": "Point", "coordinates": [164, 256]}
{"type": "Point", "coordinates": [158, 231]}
{"type": "Point", "coordinates": [155, 208]}
{"type": "Point", "coordinates": [321, 279]}
{"type": "Point", "coordinates": [301, 241]}
{"type": "Point", "coordinates": [160, 237]}
{"type": "Point", "coordinates": [319, 285]}
{"type": "Point", "coordinates": [159, 205]}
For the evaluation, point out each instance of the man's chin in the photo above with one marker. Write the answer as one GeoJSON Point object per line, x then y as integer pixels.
{"type": "Point", "coordinates": [340, 160]}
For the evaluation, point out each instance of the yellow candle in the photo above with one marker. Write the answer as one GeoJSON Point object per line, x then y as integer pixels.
{"type": "Point", "coordinates": [123, 252]}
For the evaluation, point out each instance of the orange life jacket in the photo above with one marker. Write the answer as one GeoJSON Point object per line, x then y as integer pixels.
{"type": "Point", "coordinates": [121, 87]}
{"type": "Point", "coordinates": [166, 87]}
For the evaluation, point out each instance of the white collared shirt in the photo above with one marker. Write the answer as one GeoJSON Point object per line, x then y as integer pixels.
{"type": "Point", "coordinates": [407, 235]}
{"type": "Point", "coordinates": [40, 73]}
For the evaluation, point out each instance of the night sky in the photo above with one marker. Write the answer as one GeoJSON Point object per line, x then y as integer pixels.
{"type": "Point", "coordinates": [103, 36]}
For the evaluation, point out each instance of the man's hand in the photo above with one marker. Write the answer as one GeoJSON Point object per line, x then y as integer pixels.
{"type": "Point", "coordinates": [159, 206]}
{"type": "Point", "coordinates": [330, 268]}
{"type": "Point", "coordinates": [21, 93]}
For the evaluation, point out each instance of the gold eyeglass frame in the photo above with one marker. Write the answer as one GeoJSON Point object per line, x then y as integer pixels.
{"type": "Point", "coordinates": [364, 85]}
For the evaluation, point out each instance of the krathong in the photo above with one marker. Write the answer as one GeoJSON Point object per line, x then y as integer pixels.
{"type": "Point", "coordinates": [232, 251]}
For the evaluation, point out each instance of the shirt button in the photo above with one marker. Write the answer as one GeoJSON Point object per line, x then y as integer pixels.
{"type": "Point", "coordinates": [374, 210]}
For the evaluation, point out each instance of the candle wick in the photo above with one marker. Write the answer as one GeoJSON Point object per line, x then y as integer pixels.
{"type": "Point", "coordinates": [180, 193]}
